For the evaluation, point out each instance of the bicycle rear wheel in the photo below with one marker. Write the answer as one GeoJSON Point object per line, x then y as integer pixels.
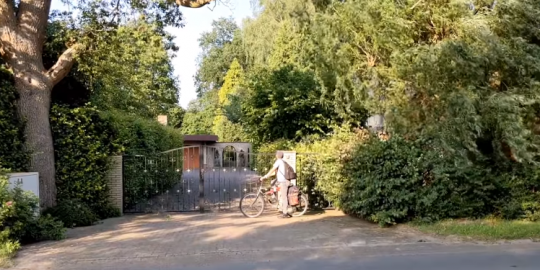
{"type": "Point", "coordinates": [252, 205]}
{"type": "Point", "coordinates": [302, 206]}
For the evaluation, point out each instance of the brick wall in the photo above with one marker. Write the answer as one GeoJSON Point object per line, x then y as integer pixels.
{"type": "Point", "coordinates": [114, 179]}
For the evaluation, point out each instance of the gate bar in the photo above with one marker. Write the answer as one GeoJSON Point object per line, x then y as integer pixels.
{"type": "Point", "coordinates": [201, 177]}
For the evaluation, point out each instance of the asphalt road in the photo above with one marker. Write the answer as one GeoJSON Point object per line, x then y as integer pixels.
{"type": "Point", "coordinates": [466, 259]}
{"type": "Point", "coordinates": [493, 261]}
{"type": "Point", "coordinates": [433, 262]}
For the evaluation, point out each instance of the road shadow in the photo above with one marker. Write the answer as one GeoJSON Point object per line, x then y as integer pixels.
{"type": "Point", "coordinates": [181, 235]}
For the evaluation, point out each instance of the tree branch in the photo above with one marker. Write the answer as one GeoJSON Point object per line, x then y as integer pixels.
{"type": "Point", "coordinates": [194, 3]}
{"type": "Point", "coordinates": [62, 67]}
{"type": "Point", "coordinates": [7, 26]}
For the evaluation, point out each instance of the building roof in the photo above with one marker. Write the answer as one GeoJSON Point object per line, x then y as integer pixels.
{"type": "Point", "coordinates": [200, 138]}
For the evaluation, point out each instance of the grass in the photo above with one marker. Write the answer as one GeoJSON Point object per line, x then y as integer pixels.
{"type": "Point", "coordinates": [485, 229]}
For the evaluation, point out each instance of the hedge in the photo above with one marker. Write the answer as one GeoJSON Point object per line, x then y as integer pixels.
{"type": "Point", "coordinates": [139, 135]}
{"type": "Point", "coordinates": [12, 154]}
{"type": "Point", "coordinates": [83, 143]}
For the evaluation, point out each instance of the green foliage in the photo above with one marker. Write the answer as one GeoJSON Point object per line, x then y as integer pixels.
{"type": "Point", "coordinates": [19, 222]}
{"type": "Point", "coordinates": [176, 117]}
{"type": "Point", "coordinates": [398, 180]}
{"type": "Point", "coordinates": [289, 21]}
{"type": "Point", "coordinates": [45, 228]}
{"type": "Point", "coordinates": [228, 131]}
{"type": "Point", "coordinates": [8, 244]}
{"type": "Point", "coordinates": [284, 104]}
{"type": "Point", "coordinates": [12, 153]}
{"type": "Point", "coordinates": [217, 111]}
{"type": "Point", "coordinates": [124, 63]}
{"type": "Point", "coordinates": [73, 213]}
{"type": "Point", "coordinates": [230, 92]}
{"type": "Point", "coordinates": [8, 249]}
{"type": "Point", "coordinates": [531, 211]}
{"type": "Point", "coordinates": [383, 181]}
{"type": "Point", "coordinates": [221, 47]}
{"type": "Point", "coordinates": [200, 114]}
{"type": "Point", "coordinates": [232, 82]}
{"type": "Point", "coordinates": [131, 71]}
{"type": "Point", "coordinates": [457, 84]}
{"type": "Point", "coordinates": [83, 144]}
{"type": "Point", "coordinates": [136, 134]}
{"type": "Point", "coordinates": [321, 162]}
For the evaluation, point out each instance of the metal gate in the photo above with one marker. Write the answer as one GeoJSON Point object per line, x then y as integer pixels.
{"type": "Point", "coordinates": [199, 178]}
{"type": "Point", "coordinates": [187, 179]}
{"type": "Point", "coordinates": [160, 181]}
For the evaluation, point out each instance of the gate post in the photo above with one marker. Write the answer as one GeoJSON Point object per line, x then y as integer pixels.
{"type": "Point", "coordinates": [115, 181]}
{"type": "Point", "coordinates": [201, 178]}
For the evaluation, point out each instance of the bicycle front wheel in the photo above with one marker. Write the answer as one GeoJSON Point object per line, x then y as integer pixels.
{"type": "Point", "coordinates": [252, 205]}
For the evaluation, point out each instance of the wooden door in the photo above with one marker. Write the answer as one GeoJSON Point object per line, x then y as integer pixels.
{"type": "Point", "coordinates": [191, 158]}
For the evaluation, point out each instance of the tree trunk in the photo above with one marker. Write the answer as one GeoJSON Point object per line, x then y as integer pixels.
{"type": "Point", "coordinates": [34, 106]}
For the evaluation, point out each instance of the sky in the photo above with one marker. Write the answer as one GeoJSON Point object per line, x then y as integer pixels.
{"type": "Point", "coordinates": [196, 22]}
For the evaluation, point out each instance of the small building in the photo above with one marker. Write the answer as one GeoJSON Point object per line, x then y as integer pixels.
{"type": "Point", "coordinates": [215, 154]}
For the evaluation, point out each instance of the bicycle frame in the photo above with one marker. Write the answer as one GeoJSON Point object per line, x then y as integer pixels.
{"type": "Point", "coordinates": [259, 193]}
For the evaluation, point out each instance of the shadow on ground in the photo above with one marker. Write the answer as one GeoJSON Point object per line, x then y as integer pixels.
{"type": "Point", "coordinates": [211, 238]}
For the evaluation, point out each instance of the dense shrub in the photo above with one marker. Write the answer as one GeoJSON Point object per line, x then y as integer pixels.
{"type": "Point", "coordinates": [382, 179]}
{"type": "Point", "coordinates": [12, 154]}
{"type": "Point", "coordinates": [83, 143]}
{"type": "Point", "coordinates": [139, 135]}
{"type": "Point", "coordinates": [398, 180]}
{"type": "Point", "coordinates": [19, 221]}
{"type": "Point", "coordinates": [24, 223]}
{"type": "Point", "coordinates": [73, 213]}
{"type": "Point", "coordinates": [46, 227]}
{"type": "Point", "coordinates": [8, 245]}
{"type": "Point", "coordinates": [522, 183]}
{"type": "Point", "coordinates": [320, 163]}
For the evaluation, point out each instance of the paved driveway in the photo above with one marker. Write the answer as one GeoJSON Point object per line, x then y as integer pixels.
{"type": "Point", "coordinates": [159, 241]}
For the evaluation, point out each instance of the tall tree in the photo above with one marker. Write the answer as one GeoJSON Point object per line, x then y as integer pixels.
{"type": "Point", "coordinates": [22, 35]}
{"type": "Point", "coordinates": [132, 71]}
{"type": "Point", "coordinates": [219, 48]}
{"type": "Point", "coordinates": [223, 126]}
{"type": "Point", "coordinates": [285, 104]}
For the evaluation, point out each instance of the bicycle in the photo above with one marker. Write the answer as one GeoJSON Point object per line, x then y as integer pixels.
{"type": "Point", "coordinates": [261, 197]}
